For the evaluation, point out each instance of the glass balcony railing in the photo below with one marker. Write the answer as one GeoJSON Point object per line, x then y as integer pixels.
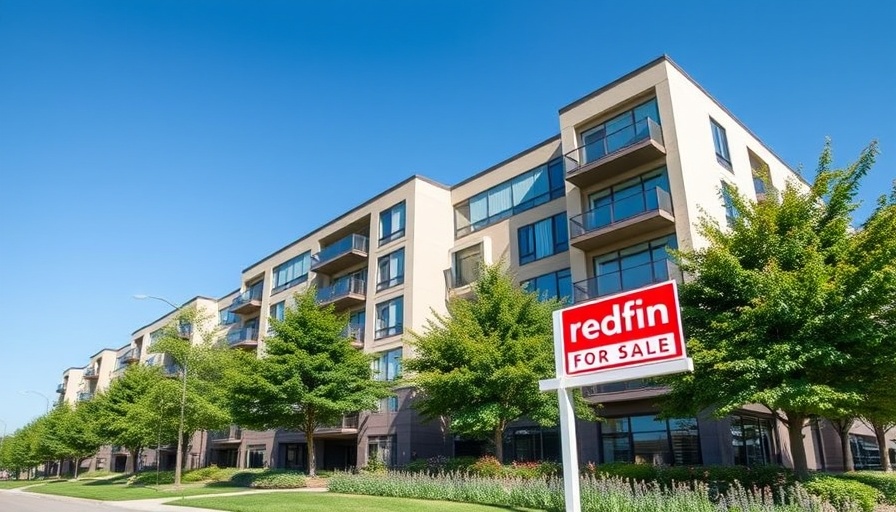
{"type": "Point", "coordinates": [89, 373]}
{"type": "Point", "coordinates": [655, 199]}
{"type": "Point", "coordinates": [348, 422]}
{"type": "Point", "coordinates": [626, 279]}
{"type": "Point", "coordinates": [60, 388]}
{"type": "Point", "coordinates": [244, 335]}
{"type": "Point", "coordinates": [84, 395]}
{"type": "Point", "coordinates": [354, 242]}
{"type": "Point", "coordinates": [354, 332]}
{"type": "Point", "coordinates": [342, 288]}
{"type": "Point", "coordinates": [234, 433]}
{"type": "Point", "coordinates": [252, 294]}
{"type": "Point", "coordinates": [598, 149]}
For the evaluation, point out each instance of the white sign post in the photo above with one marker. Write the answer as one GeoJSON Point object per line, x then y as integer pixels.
{"type": "Point", "coordinates": [622, 337]}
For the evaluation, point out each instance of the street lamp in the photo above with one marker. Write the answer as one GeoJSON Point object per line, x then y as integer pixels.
{"type": "Point", "coordinates": [178, 457]}
{"type": "Point", "coordinates": [45, 397]}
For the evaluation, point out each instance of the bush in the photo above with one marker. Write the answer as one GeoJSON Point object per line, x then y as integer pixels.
{"type": "Point", "coordinates": [841, 493]}
{"type": "Point", "coordinates": [277, 479]}
{"type": "Point", "coordinates": [462, 464]}
{"type": "Point", "coordinates": [487, 466]}
{"type": "Point", "coordinates": [883, 482]}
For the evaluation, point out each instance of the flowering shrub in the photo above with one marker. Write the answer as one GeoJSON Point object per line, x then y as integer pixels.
{"type": "Point", "coordinates": [598, 494]}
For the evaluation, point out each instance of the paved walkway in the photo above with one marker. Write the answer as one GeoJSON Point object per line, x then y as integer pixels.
{"type": "Point", "coordinates": [19, 501]}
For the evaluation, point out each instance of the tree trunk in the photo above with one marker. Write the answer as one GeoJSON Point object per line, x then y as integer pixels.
{"type": "Point", "coordinates": [312, 459]}
{"type": "Point", "coordinates": [77, 466]}
{"type": "Point", "coordinates": [131, 464]}
{"type": "Point", "coordinates": [185, 451]}
{"type": "Point", "coordinates": [881, 434]}
{"type": "Point", "coordinates": [499, 444]}
{"type": "Point", "coordinates": [795, 424]}
{"type": "Point", "coordinates": [842, 426]}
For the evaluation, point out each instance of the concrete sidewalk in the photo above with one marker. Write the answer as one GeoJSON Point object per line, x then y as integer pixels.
{"type": "Point", "coordinates": [167, 504]}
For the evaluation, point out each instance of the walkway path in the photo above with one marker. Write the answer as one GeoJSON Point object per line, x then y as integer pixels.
{"type": "Point", "coordinates": [19, 501]}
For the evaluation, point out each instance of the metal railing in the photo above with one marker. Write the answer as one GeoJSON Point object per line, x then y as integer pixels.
{"type": "Point", "coordinates": [342, 288]}
{"type": "Point", "coordinates": [353, 242]}
{"type": "Point", "coordinates": [626, 279]}
{"type": "Point", "coordinates": [655, 199]}
{"type": "Point", "coordinates": [234, 433]}
{"type": "Point", "coordinates": [354, 331]}
{"type": "Point", "coordinates": [348, 421]}
{"type": "Point", "coordinates": [242, 335]}
{"type": "Point", "coordinates": [610, 143]}
{"type": "Point", "coordinates": [249, 295]}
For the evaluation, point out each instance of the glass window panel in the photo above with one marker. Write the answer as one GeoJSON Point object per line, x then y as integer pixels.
{"type": "Point", "coordinates": [544, 238]}
{"type": "Point", "coordinates": [647, 424]}
{"type": "Point", "coordinates": [478, 208]}
{"type": "Point", "coordinates": [500, 199]}
{"type": "Point", "coordinates": [648, 110]}
{"type": "Point", "coordinates": [616, 449]}
{"type": "Point", "coordinates": [561, 233]}
{"type": "Point", "coordinates": [652, 448]}
{"type": "Point", "coordinates": [564, 285]}
{"type": "Point", "coordinates": [615, 425]}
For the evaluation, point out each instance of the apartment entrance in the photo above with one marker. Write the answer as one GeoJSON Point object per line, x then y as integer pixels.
{"type": "Point", "coordinates": [339, 454]}
{"type": "Point", "coordinates": [225, 457]}
{"type": "Point", "coordinates": [119, 463]}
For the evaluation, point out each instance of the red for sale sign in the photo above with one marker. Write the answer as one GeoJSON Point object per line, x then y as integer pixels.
{"type": "Point", "coordinates": [630, 329]}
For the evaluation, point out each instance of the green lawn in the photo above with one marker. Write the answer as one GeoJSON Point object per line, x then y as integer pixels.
{"type": "Point", "coordinates": [12, 484]}
{"type": "Point", "coordinates": [327, 502]}
{"type": "Point", "coordinates": [116, 489]}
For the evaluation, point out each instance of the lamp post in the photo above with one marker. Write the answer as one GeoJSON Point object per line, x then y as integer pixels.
{"type": "Point", "coordinates": [178, 457]}
{"type": "Point", "coordinates": [38, 393]}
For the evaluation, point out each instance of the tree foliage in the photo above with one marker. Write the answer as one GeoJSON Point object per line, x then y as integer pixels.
{"type": "Point", "coordinates": [480, 364]}
{"type": "Point", "coordinates": [309, 377]}
{"type": "Point", "coordinates": [781, 306]}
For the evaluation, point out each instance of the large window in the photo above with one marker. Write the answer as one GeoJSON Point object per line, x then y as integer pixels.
{"type": "Point", "coordinates": [276, 312]}
{"type": "Point", "coordinates": [384, 449]}
{"type": "Point", "coordinates": [291, 273]}
{"type": "Point", "coordinates": [865, 452]}
{"type": "Point", "coordinates": [466, 265]}
{"type": "Point", "coordinates": [543, 238]}
{"type": "Point", "coordinates": [387, 365]}
{"type": "Point", "coordinates": [392, 223]}
{"type": "Point", "coordinates": [391, 270]}
{"type": "Point", "coordinates": [630, 198]}
{"type": "Point", "coordinates": [720, 141]}
{"type": "Point", "coordinates": [728, 201]}
{"type": "Point", "coordinates": [522, 193]}
{"type": "Point", "coordinates": [648, 440]}
{"type": "Point", "coordinates": [753, 439]}
{"type": "Point", "coordinates": [556, 285]}
{"type": "Point", "coordinates": [621, 131]}
{"type": "Point", "coordinates": [632, 267]}
{"type": "Point", "coordinates": [389, 317]}
{"type": "Point", "coordinates": [531, 444]}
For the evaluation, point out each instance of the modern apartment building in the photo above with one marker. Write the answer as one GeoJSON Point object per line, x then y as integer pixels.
{"type": "Point", "coordinates": [586, 213]}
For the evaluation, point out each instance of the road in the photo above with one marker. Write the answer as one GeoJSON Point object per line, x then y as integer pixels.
{"type": "Point", "coordinates": [16, 501]}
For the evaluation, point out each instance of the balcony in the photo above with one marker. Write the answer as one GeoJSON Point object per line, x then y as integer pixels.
{"type": "Point", "coordinates": [628, 279]}
{"type": "Point", "coordinates": [84, 395]}
{"type": "Point", "coordinates": [247, 337]}
{"type": "Point", "coordinates": [622, 219]}
{"type": "Point", "coordinates": [131, 356]}
{"type": "Point", "coordinates": [247, 302]}
{"type": "Point", "coordinates": [341, 254]}
{"type": "Point", "coordinates": [234, 434]}
{"type": "Point", "coordinates": [90, 374]}
{"type": "Point", "coordinates": [617, 152]}
{"type": "Point", "coordinates": [343, 293]}
{"type": "Point", "coordinates": [185, 329]}
{"type": "Point", "coordinates": [355, 332]}
{"type": "Point", "coordinates": [348, 425]}
{"type": "Point", "coordinates": [60, 388]}
{"type": "Point", "coordinates": [171, 370]}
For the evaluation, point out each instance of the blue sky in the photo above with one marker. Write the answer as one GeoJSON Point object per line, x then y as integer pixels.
{"type": "Point", "coordinates": [160, 147]}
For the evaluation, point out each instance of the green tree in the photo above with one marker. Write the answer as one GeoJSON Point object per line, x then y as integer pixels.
{"type": "Point", "coordinates": [479, 365]}
{"type": "Point", "coordinates": [778, 310]}
{"type": "Point", "coordinates": [309, 377]}
{"type": "Point", "coordinates": [72, 434]}
{"type": "Point", "coordinates": [199, 390]}
{"type": "Point", "coordinates": [122, 411]}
